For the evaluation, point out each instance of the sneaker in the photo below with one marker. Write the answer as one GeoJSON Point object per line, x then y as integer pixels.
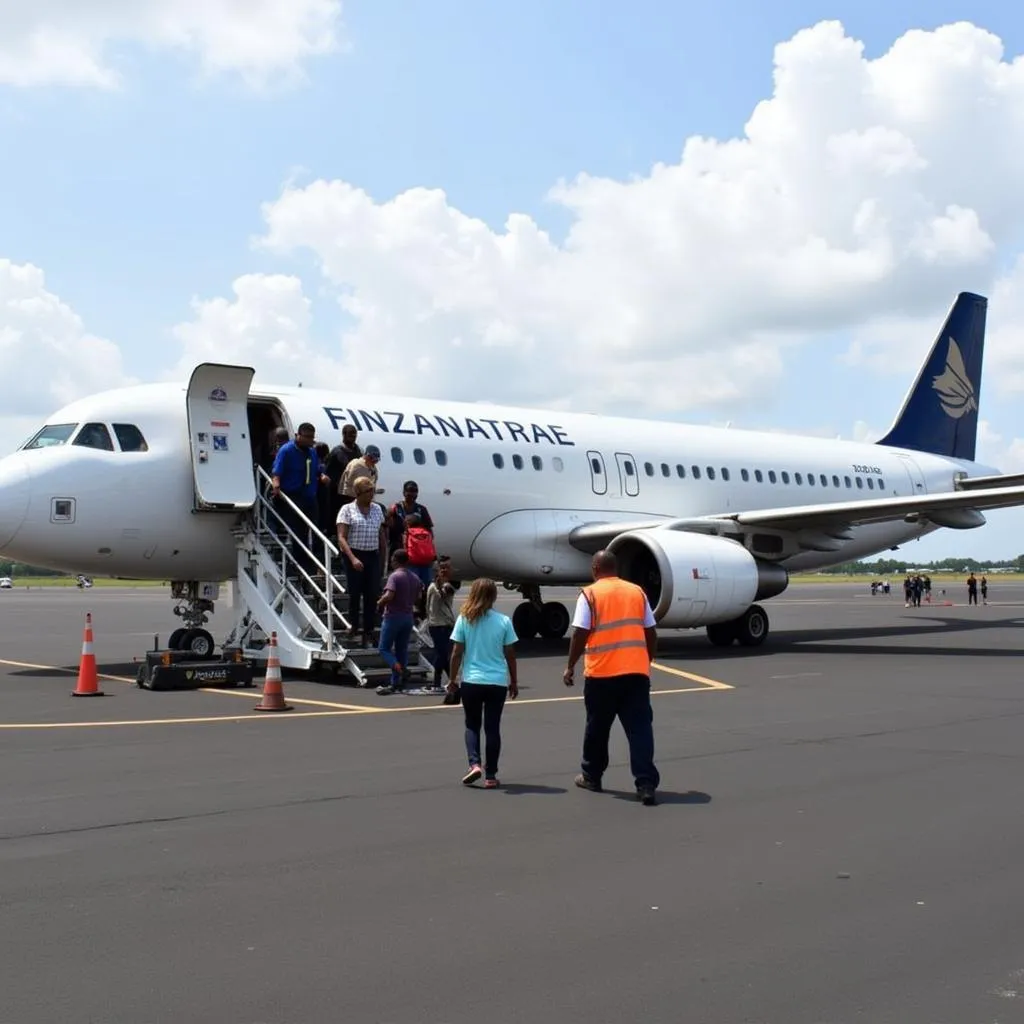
{"type": "Point", "coordinates": [645, 794]}
{"type": "Point", "coordinates": [585, 782]}
{"type": "Point", "coordinates": [491, 784]}
{"type": "Point", "coordinates": [385, 691]}
{"type": "Point", "coordinates": [472, 775]}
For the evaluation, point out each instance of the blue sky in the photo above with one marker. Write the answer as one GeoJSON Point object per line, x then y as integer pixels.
{"type": "Point", "coordinates": [139, 201]}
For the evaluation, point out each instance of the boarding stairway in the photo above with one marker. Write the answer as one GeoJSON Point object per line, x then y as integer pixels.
{"type": "Point", "coordinates": [273, 592]}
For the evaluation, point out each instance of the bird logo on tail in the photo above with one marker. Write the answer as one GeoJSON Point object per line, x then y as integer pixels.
{"type": "Point", "coordinates": [954, 387]}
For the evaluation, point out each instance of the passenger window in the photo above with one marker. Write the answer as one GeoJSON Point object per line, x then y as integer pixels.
{"type": "Point", "coordinates": [630, 470]}
{"type": "Point", "coordinates": [871, 484]}
{"type": "Point", "coordinates": [824, 480]}
{"type": "Point", "coordinates": [94, 435]}
{"type": "Point", "coordinates": [595, 466]}
{"type": "Point", "coordinates": [397, 455]}
{"type": "Point", "coordinates": [130, 438]}
{"type": "Point", "coordinates": [798, 478]}
{"type": "Point", "coordinates": [517, 461]}
{"type": "Point", "coordinates": [725, 473]}
{"type": "Point", "coordinates": [419, 456]}
{"type": "Point", "coordinates": [711, 473]}
{"type": "Point", "coordinates": [441, 458]}
{"type": "Point", "coordinates": [695, 472]}
{"type": "Point", "coordinates": [881, 484]}
{"type": "Point", "coordinates": [537, 462]}
{"type": "Point", "coordinates": [557, 464]}
{"type": "Point", "coordinates": [847, 481]}
{"type": "Point", "coordinates": [52, 434]}
{"type": "Point", "coordinates": [499, 462]}
{"type": "Point", "coordinates": [759, 476]}
{"type": "Point", "coordinates": [785, 477]}
{"type": "Point", "coordinates": [648, 469]}
{"type": "Point", "coordinates": [665, 471]}
{"type": "Point", "coordinates": [771, 476]}
{"type": "Point", "coordinates": [810, 479]}
{"type": "Point", "coordinates": [835, 481]}
{"type": "Point", "coordinates": [744, 475]}
{"type": "Point", "coordinates": [681, 472]}
{"type": "Point", "coordinates": [860, 483]}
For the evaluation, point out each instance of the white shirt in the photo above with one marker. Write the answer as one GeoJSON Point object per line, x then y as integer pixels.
{"type": "Point", "coordinates": [363, 530]}
{"type": "Point", "coordinates": [581, 620]}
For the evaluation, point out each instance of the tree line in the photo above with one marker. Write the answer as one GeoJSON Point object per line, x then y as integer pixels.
{"type": "Point", "coordinates": [893, 566]}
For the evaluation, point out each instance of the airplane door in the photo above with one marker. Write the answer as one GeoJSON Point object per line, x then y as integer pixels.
{"type": "Point", "coordinates": [218, 429]}
{"type": "Point", "coordinates": [598, 473]}
{"type": "Point", "coordinates": [915, 475]}
{"type": "Point", "coordinates": [628, 477]}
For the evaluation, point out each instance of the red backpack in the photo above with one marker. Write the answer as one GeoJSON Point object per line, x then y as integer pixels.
{"type": "Point", "coordinates": [419, 546]}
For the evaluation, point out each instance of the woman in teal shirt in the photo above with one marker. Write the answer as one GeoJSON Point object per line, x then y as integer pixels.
{"type": "Point", "coordinates": [483, 648]}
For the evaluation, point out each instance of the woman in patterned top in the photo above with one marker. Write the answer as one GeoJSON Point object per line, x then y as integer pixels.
{"type": "Point", "coordinates": [363, 543]}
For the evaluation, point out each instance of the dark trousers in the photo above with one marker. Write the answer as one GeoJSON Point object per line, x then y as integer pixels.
{"type": "Point", "coordinates": [972, 597]}
{"type": "Point", "coordinates": [627, 698]}
{"type": "Point", "coordinates": [363, 590]}
{"type": "Point", "coordinates": [442, 637]}
{"type": "Point", "coordinates": [309, 507]}
{"type": "Point", "coordinates": [483, 703]}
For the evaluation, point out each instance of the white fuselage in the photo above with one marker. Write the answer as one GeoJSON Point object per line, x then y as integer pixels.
{"type": "Point", "coordinates": [133, 511]}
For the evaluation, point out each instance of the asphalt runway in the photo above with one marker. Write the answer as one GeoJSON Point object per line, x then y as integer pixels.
{"type": "Point", "coordinates": [838, 838]}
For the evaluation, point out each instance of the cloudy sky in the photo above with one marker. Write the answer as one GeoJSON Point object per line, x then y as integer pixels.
{"type": "Point", "coordinates": [740, 214]}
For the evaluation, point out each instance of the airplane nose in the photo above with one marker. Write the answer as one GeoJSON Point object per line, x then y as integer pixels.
{"type": "Point", "coordinates": [14, 496]}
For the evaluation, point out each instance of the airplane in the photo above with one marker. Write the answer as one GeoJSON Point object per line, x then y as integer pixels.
{"type": "Point", "coordinates": [153, 482]}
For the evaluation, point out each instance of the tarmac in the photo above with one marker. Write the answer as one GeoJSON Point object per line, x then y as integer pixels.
{"type": "Point", "coordinates": [838, 838]}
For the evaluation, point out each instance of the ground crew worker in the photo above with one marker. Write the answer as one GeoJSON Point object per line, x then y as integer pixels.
{"type": "Point", "coordinates": [614, 631]}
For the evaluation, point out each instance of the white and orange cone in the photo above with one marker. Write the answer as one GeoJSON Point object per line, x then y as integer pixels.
{"type": "Point", "coordinates": [273, 687]}
{"type": "Point", "coordinates": [88, 678]}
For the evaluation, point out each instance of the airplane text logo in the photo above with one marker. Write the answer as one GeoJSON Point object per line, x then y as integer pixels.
{"type": "Point", "coordinates": [956, 393]}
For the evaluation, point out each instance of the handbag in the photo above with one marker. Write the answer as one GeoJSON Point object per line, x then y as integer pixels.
{"type": "Point", "coordinates": [453, 698]}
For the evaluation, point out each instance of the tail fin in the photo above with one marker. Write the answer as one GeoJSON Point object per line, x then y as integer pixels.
{"type": "Point", "coordinates": [940, 413]}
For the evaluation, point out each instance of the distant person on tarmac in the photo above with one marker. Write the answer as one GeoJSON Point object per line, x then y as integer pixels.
{"type": "Point", "coordinates": [972, 589]}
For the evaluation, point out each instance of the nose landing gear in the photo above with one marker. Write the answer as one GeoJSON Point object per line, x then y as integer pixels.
{"type": "Point", "coordinates": [195, 605]}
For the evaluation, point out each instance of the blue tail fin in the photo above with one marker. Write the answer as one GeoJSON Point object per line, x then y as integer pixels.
{"type": "Point", "coordinates": [940, 414]}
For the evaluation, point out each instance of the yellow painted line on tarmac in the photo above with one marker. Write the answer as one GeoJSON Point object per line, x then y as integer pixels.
{"type": "Point", "coordinates": [255, 717]}
{"type": "Point", "coordinates": [203, 689]}
{"type": "Point", "coordinates": [711, 684]}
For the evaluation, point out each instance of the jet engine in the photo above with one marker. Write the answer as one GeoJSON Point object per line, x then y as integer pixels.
{"type": "Point", "coordinates": [693, 579]}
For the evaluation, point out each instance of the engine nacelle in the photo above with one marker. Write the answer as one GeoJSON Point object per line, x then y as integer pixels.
{"type": "Point", "coordinates": [692, 579]}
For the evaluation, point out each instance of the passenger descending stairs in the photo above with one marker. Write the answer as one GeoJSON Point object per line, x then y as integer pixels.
{"type": "Point", "coordinates": [309, 612]}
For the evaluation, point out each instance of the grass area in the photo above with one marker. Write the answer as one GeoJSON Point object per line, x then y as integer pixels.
{"type": "Point", "coordinates": [945, 578]}
{"type": "Point", "coordinates": [69, 581]}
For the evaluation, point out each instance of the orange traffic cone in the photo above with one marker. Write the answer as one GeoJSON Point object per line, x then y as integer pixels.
{"type": "Point", "coordinates": [88, 680]}
{"type": "Point", "coordinates": [273, 689]}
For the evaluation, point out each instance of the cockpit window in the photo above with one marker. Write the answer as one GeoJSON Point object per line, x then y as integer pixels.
{"type": "Point", "coordinates": [94, 435]}
{"type": "Point", "coordinates": [130, 438]}
{"type": "Point", "coordinates": [52, 434]}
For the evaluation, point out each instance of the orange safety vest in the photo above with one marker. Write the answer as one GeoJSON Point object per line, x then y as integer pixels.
{"type": "Point", "coordinates": [617, 645]}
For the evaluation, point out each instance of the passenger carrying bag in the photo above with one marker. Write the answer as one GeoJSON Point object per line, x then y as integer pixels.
{"type": "Point", "coordinates": [419, 546]}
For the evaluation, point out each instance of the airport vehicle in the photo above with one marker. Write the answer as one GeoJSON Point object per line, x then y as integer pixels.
{"type": "Point", "coordinates": [6, 583]}
{"type": "Point", "coordinates": [157, 482]}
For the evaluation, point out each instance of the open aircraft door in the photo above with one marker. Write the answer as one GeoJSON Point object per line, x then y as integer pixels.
{"type": "Point", "coordinates": [218, 429]}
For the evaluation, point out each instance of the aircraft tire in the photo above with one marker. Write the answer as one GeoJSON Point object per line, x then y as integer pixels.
{"type": "Point", "coordinates": [554, 620]}
{"type": "Point", "coordinates": [721, 634]}
{"type": "Point", "coordinates": [752, 627]}
{"type": "Point", "coordinates": [526, 621]}
{"type": "Point", "coordinates": [174, 640]}
{"type": "Point", "coordinates": [198, 642]}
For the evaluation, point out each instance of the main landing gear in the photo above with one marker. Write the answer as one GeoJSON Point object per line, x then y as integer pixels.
{"type": "Point", "coordinates": [750, 629]}
{"type": "Point", "coordinates": [192, 609]}
{"type": "Point", "coordinates": [549, 619]}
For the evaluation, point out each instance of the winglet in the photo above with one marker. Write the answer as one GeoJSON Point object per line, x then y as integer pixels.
{"type": "Point", "coordinates": [940, 413]}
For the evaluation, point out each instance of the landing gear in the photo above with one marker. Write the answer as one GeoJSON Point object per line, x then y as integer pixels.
{"type": "Point", "coordinates": [534, 616]}
{"type": "Point", "coordinates": [750, 629]}
{"type": "Point", "coordinates": [195, 605]}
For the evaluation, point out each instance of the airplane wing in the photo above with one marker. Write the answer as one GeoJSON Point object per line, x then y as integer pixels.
{"type": "Point", "coordinates": [960, 509]}
{"type": "Point", "coordinates": [977, 483]}
{"type": "Point", "coordinates": [941, 508]}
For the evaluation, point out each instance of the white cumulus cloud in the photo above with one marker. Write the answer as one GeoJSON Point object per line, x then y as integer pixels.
{"type": "Point", "coordinates": [863, 191]}
{"type": "Point", "coordinates": [80, 42]}
{"type": "Point", "coordinates": [47, 357]}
